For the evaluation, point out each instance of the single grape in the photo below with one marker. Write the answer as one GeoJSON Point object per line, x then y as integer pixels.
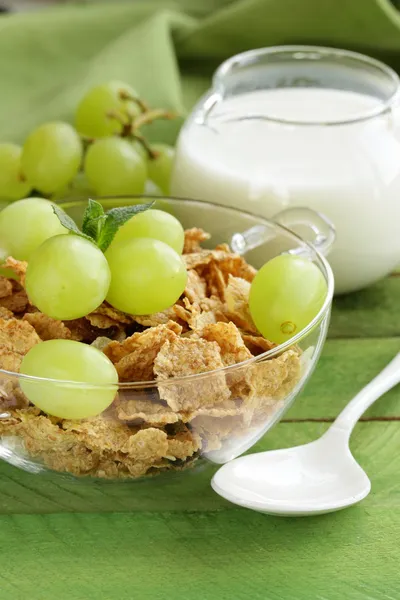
{"type": "Point", "coordinates": [68, 361]}
{"type": "Point", "coordinates": [91, 118]}
{"type": "Point", "coordinates": [285, 295]}
{"type": "Point", "coordinates": [51, 156]}
{"type": "Point", "coordinates": [67, 277]}
{"type": "Point", "coordinates": [5, 271]}
{"type": "Point", "coordinates": [77, 189]}
{"type": "Point", "coordinates": [25, 225]}
{"type": "Point", "coordinates": [8, 273]}
{"type": "Point", "coordinates": [13, 184]}
{"type": "Point", "coordinates": [152, 189]}
{"type": "Point", "coordinates": [147, 276]}
{"type": "Point", "coordinates": [155, 224]}
{"type": "Point", "coordinates": [113, 167]}
{"type": "Point", "coordinates": [160, 168]}
{"type": "Point", "coordinates": [140, 149]}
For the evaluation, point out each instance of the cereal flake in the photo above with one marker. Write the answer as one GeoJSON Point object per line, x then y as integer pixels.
{"type": "Point", "coordinates": [146, 410]}
{"type": "Point", "coordinates": [134, 357]}
{"type": "Point", "coordinates": [257, 344]}
{"type": "Point", "coordinates": [229, 340]}
{"type": "Point", "coordinates": [17, 302]}
{"type": "Point", "coordinates": [6, 287]}
{"type": "Point", "coordinates": [196, 287]}
{"type": "Point", "coordinates": [193, 239]}
{"type": "Point", "coordinates": [237, 303]}
{"type": "Point", "coordinates": [18, 336]}
{"type": "Point", "coordinates": [187, 356]}
{"type": "Point", "coordinates": [19, 267]}
{"type": "Point", "coordinates": [47, 328]}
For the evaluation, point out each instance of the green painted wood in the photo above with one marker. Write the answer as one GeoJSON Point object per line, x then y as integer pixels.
{"type": "Point", "coordinates": [374, 444]}
{"type": "Point", "coordinates": [374, 312]}
{"type": "Point", "coordinates": [344, 368]}
{"type": "Point", "coordinates": [229, 554]}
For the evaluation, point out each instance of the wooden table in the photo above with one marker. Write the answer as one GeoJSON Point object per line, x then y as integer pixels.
{"type": "Point", "coordinates": [177, 539]}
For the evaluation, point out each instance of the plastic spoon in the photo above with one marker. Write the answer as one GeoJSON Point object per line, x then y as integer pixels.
{"type": "Point", "coordinates": [319, 477]}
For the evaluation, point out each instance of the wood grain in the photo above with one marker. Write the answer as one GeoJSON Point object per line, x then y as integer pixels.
{"type": "Point", "coordinates": [344, 368]}
{"type": "Point", "coordinates": [224, 555]}
{"type": "Point", "coordinates": [374, 444]}
{"type": "Point", "coordinates": [373, 312]}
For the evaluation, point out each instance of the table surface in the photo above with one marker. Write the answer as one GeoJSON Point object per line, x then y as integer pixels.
{"type": "Point", "coordinates": [178, 539]}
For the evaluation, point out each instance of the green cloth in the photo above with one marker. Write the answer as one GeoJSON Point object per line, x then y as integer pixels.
{"type": "Point", "coordinates": [166, 49]}
{"type": "Point", "coordinates": [175, 538]}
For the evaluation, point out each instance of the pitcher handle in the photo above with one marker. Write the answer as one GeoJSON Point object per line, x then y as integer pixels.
{"type": "Point", "coordinates": [322, 228]}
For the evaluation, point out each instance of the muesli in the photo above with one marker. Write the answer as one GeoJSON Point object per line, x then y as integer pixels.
{"type": "Point", "coordinates": [169, 423]}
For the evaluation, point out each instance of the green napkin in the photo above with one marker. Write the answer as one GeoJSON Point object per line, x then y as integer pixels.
{"type": "Point", "coordinates": [166, 49]}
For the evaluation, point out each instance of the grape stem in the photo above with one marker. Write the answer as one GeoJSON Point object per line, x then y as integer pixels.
{"type": "Point", "coordinates": [152, 154]}
{"type": "Point", "coordinates": [141, 104]}
{"type": "Point", "coordinates": [150, 116]}
{"type": "Point", "coordinates": [130, 129]}
{"type": "Point", "coordinates": [87, 141]}
{"type": "Point", "coordinates": [126, 127]}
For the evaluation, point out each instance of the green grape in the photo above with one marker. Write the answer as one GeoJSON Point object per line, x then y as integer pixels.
{"type": "Point", "coordinates": [4, 271]}
{"type": "Point", "coordinates": [63, 362]}
{"type": "Point", "coordinates": [113, 167]}
{"type": "Point", "coordinates": [91, 118]}
{"type": "Point", "coordinates": [160, 168]}
{"type": "Point", "coordinates": [152, 189]}
{"type": "Point", "coordinates": [25, 225]}
{"type": "Point", "coordinates": [77, 189]}
{"type": "Point", "coordinates": [147, 276]}
{"type": "Point", "coordinates": [285, 295]}
{"type": "Point", "coordinates": [9, 273]}
{"type": "Point", "coordinates": [12, 183]}
{"type": "Point", "coordinates": [51, 156]}
{"type": "Point", "coordinates": [140, 149]}
{"type": "Point", "coordinates": [155, 224]}
{"type": "Point", "coordinates": [67, 277]}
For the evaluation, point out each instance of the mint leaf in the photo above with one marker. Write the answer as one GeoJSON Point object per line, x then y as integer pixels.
{"type": "Point", "coordinates": [115, 218]}
{"type": "Point", "coordinates": [92, 219]}
{"type": "Point", "coordinates": [68, 223]}
{"type": "Point", "coordinates": [122, 214]}
{"type": "Point", "coordinates": [98, 227]}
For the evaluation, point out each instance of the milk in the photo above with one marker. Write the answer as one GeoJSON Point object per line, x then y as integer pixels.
{"type": "Point", "coordinates": [349, 172]}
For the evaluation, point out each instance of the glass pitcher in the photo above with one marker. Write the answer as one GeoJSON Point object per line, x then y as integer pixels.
{"type": "Point", "coordinates": [303, 126]}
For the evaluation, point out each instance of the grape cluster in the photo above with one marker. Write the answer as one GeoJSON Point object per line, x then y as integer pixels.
{"type": "Point", "coordinates": [105, 154]}
{"type": "Point", "coordinates": [129, 256]}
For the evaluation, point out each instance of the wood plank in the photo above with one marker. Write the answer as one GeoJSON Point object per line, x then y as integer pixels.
{"type": "Point", "coordinates": [225, 554]}
{"type": "Point", "coordinates": [374, 444]}
{"type": "Point", "coordinates": [374, 312]}
{"type": "Point", "coordinates": [344, 368]}
{"type": "Point", "coordinates": [229, 554]}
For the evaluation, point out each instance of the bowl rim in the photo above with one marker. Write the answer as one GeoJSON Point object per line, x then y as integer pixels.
{"type": "Point", "coordinates": [279, 349]}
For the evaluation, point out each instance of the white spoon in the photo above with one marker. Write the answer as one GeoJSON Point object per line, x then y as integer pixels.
{"type": "Point", "coordinates": [316, 478]}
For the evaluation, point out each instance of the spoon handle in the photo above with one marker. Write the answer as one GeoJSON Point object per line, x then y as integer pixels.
{"type": "Point", "coordinates": [388, 378]}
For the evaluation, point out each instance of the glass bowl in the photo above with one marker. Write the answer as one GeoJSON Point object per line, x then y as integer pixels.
{"type": "Point", "coordinates": [167, 426]}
